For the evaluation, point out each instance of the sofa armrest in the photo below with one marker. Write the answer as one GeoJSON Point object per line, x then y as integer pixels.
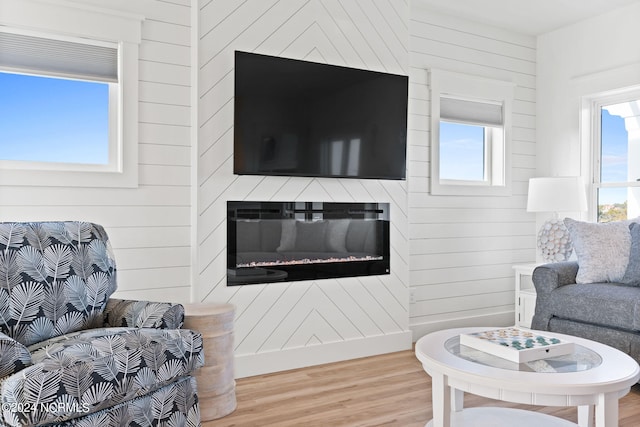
{"type": "Point", "coordinates": [14, 356]}
{"type": "Point", "coordinates": [142, 314]}
{"type": "Point", "coordinates": [546, 278]}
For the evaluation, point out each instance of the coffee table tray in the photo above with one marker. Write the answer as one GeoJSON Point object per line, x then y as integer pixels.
{"type": "Point", "coordinates": [516, 345]}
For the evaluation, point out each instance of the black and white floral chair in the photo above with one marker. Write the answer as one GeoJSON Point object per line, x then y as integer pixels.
{"type": "Point", "coordinates": [70, 354]}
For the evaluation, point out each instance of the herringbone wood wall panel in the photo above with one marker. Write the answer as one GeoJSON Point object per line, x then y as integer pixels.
{"type": "Point", "coordinates": [369, 34]}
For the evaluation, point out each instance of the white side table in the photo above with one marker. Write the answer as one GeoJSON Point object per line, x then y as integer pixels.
{"type": "Point", "coordinates": [525, 294]}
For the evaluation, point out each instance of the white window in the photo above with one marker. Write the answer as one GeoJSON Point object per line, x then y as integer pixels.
{"type": "Point", "coordinates": [615, 135]}
{"type": "Point", "coordinates": [470, 132]}
{"type": "Point", "coordinates": [65, 117]}
{"type": "Point", "coordinates": [58, 109]}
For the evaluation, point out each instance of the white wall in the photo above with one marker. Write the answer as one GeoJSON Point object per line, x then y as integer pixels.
{"type": "Point", "coordinates": [287, 325]}
{"type": "Point", "coordinates": [593, 56]}
{"type": "Point", "coordinates": [462, 249]}
{"type": "Point", "coordinates": [455, 253]}
{"type": "Point", "coordinates": [149, 226]}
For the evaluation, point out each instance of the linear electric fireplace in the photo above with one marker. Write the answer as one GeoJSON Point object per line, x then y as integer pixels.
{"type": "Point", "coordinates": [292, 241]}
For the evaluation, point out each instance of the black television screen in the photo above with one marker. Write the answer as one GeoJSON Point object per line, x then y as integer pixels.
{"type": "Point", "coordinates": [300, 118]}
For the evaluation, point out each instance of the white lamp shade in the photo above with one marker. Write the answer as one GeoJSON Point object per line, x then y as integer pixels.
{"type": "Point", "coordinates": [556, 194]}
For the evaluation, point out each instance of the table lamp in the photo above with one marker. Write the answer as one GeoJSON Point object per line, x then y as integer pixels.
{"type": "Point", "coordinates": [556, 194]}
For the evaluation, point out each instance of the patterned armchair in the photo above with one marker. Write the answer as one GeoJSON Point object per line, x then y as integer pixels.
{"type": "Point", "coordinates": [70, 354]}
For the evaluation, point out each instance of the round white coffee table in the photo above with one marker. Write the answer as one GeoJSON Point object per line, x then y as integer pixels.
{"type": "Point", "coordinates": [593, 378]}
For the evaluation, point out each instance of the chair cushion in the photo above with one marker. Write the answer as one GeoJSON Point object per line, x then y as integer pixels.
{"type": "Point", "coordinates": [173, 405]}
{"type": "Point", "coordinates": [57, 277]}
{"type": "Point", "coordinates": [610, 304]}
{"type": "Point", "coordinates": [87, 371]}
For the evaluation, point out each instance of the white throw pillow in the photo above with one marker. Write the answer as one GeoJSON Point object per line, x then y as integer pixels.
{"type": "Point", "coordinates": [602, 249]}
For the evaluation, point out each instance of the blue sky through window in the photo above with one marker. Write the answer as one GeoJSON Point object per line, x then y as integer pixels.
{"type": "Point", "coordinates": [614, 158]}
{"type": "Point", "coordinates": [614, 148]}
{"type": "Point", "coordinates": [461, 151]}
{"type": "Point", "coordinates": [53, 119]}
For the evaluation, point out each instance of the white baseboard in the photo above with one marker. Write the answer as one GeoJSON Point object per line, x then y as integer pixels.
{"type": "Point", "coordinates": [494, 319]}
{"type": "Point", "coordinates": [248, 365]}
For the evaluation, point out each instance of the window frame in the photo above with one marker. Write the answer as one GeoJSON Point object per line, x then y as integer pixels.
{"type": "Point", "coordinates": [448, 84]}
{"type": "Point", "coordinates": [115, 154]}
{"type": "Point", "coordinates": [592, 106]}
{"type": "Point", "coordinates": [492, 141]}
{"type": "Point", "coordinates": [90, 25]}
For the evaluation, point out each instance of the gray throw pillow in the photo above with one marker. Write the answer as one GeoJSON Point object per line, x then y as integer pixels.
{"type": "Point", "coordinates": [288, 236]}
{"type": "Point", "coordinates": [632, 275]}
{"type": "Point", "coordinates": [357, 234]}
{"type": "Point", "coordinates": [270, 234]}
{"type": "Point", "coordinates": [310, 236]}
{"type": "Point", "coordinates": [371, 241]}
{"type": "Point", "coordinates": [336, 236]}
{"type": "Point", "coordinates": [247, 236]}
{"type": "Point", "coordinates": [602, 249]}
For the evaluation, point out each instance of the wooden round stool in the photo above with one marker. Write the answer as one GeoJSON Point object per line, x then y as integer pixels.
{"type": "Point", "coordinates": [216, 383]}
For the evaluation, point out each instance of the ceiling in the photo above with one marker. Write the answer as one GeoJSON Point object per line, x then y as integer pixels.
{"type": "Point", "coordinates": [532, 17]}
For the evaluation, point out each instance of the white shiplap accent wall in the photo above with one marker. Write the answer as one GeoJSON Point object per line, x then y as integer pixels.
{"type": "Point", "coordinates": [149, 226]}
{"type": "Point", "coordinates": [287, 325]}
{"type": "Point", "coordinates": [463, 248]}
{"type": "Point", "coordinates": [454, 252]}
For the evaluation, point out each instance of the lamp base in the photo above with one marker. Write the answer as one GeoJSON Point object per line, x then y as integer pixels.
{"type": "Point", "coordinates": [554, 242]}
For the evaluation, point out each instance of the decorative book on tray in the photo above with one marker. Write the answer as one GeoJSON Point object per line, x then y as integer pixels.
{"type": "Point", "coordinates": [517, 345]}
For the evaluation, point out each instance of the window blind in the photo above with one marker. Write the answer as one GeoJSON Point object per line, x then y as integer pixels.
{"type": "Point", "coordinates": [71, 59]}
{"type": "Point", "coordinates": [473, 112]}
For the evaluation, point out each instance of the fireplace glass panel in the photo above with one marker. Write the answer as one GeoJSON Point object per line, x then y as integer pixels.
{"type": "Point", "coordinates": [292, 241]}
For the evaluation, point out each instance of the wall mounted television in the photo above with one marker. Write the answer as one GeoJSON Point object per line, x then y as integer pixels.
{"type": "Point", "coordinates": [301, 118]}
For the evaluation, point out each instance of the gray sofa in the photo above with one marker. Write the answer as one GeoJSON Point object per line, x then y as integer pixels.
{"type": "Point", "coordinates": [607, 312]}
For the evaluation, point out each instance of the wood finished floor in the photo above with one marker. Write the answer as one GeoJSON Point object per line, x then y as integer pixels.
{"type": "Point", "coordinates": [386, 390]}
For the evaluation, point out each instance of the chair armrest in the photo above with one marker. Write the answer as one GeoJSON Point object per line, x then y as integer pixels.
{"type": "Point", "coordinates": [14, 356]}
{"type": "Point", "coordinates": [142, 314]}
{"type": "Point", "coordinates": [548, 277]}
